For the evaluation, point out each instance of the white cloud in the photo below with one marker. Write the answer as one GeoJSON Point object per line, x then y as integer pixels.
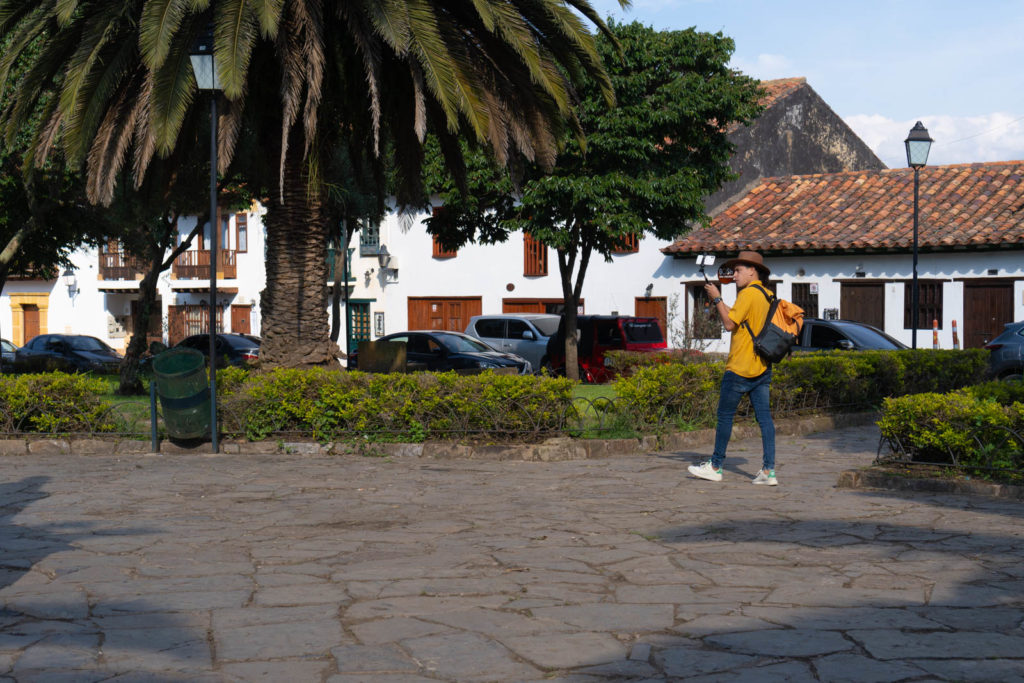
{"type": "Point", "coordinates": [958, 139]}
{"type": "Point", "coordinates": [766, 66]}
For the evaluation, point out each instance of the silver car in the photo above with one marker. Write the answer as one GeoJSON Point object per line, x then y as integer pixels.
{"type": "Point", "coordinates": [524, 334]}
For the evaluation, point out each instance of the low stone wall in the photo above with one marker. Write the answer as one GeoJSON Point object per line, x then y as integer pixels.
{"type": "Point", "coordinates": [881, 479]}
{"type": "Point", "coordinates": [560, 448]}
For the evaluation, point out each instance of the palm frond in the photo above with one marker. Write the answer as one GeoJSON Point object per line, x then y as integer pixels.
{"type": "Point", "coordinates": [268, 14]}
{"type": "Point", "coordinates": [172, 90]}
{"type": "Point", "coordinates": [234, 33]}
{"type": "Point", "coordinates": [161, 20]}
{"type": "Point", "coordinates": [65, 9]}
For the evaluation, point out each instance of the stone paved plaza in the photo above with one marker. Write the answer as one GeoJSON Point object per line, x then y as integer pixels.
{"type": "Point", "coordinates": [285, 568]}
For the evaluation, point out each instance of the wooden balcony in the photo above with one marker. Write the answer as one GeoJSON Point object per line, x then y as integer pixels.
{"type": "Point", "coordinates": [194, 264]}
{"type": "Point", "coordinates": [119, 265]}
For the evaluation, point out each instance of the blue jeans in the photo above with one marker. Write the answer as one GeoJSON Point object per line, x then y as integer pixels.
{"type": "Point", "coordinates": [733, 388]}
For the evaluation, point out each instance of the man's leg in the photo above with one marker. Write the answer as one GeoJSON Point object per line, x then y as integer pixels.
{"type": "Point", "coordinates": [759, 399]}
{"type": "Point", "coordinates": [728, 399]}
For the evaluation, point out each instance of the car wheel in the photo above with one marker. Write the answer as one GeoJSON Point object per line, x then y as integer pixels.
{"type": "Point", "coordinates": [1013, 376]}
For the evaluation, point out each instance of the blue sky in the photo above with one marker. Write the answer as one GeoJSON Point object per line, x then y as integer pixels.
{"type": "Point", "coordinates": [955, 66]}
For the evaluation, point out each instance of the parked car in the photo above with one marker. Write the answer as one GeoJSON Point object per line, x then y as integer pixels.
{"type": "Point", "coordinates": [599, 334]}
{"type": "Point", "coordinates": [68, 353]}
{"type": "Point", "coordinates": [524, 334]}
{"type": "Point", "coordinates": [231, 349]}
{"type": "Point", "coordinates": [7, 350]}
{"type": "Point", "coordinates": [440, 350]}
{"type": "Point", "coordinates": [1006, 357]}
{"type": "Point", "coordinates": [829, 335]}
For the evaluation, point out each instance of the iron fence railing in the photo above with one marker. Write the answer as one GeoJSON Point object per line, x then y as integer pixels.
{"type": "Point", "coordinates": [513, 421]}
{"type": "Point", "coordinates": [981, 448]}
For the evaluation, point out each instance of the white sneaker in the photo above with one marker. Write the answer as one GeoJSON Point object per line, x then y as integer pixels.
{"type": "Point", "coordinates": [766, 479]}
{"type": "Point", "coordinates": [706, 470]}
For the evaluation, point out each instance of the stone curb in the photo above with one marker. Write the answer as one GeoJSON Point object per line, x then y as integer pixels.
{"type": "Point", "coordinates": [889, 481]}
{"type": "Point", "coordinates": [551, 450]}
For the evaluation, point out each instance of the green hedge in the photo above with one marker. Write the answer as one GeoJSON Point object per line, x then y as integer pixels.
{"type": "Point", "coordinates": [837, 381]}
{"type": "Point", "coordinates": [403, 407]}
{"type": "Point", "coordinates": [626, 363]}
{"type": "Point", "coordinates": [975, 427]}
{"type": "Point", "coordinates": [54, 402]}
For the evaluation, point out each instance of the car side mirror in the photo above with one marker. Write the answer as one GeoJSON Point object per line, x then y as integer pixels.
{"type": "Point", "coordinates": [844, 344]}
{"type": "Point", "coordinates": [528, 334]}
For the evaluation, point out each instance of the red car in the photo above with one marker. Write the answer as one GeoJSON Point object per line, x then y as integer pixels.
{"type": "Point", "coordinates": [599, 334]}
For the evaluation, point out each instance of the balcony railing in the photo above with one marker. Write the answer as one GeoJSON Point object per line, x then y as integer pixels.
{"type": "Point", "coordinates": [118, 265]}
{"type": "Point", "coordinates": [194, 264]}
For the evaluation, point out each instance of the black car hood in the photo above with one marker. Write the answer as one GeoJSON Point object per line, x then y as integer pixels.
{"type": "Point", "coordinates": [100, 357]}
{"type": "Point", "coordinates": [492, 357]}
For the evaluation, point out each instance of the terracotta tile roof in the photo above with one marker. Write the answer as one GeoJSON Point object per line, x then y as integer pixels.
{"type": "Point", "coordinates": [779, 88]}
{"type": "Point", "coordinates": [963, 205]}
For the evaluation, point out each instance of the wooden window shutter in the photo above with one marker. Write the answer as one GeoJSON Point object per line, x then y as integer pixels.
{"type": "Point", "coordinates": [535, 256]}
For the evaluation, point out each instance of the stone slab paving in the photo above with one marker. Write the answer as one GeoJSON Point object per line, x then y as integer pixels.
{"type": "Point", "coordinates": [287, 568]}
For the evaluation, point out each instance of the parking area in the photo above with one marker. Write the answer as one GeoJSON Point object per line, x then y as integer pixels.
{"type": "Point", "coordinates": [254, 567]}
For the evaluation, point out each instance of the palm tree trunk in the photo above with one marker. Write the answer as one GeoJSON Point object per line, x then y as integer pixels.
{"type": "Point", "coordinates": [293, 306]}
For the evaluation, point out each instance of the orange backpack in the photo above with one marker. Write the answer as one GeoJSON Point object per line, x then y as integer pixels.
{"type": "Point", "coordinates": [781, 328]}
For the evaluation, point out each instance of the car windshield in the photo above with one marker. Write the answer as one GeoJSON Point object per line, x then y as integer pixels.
{"type": "Point", "coordinates": [546, 326]}
{"type": "Point", "coordinates": [87, 344]}
{"type": "Point", "coordinates": [462, 344]}
{"type": "Point", "coordinates": [642, 331]}
{"type": "Point", "coordinates": [6, 345]}
{"type": "Point", "coordinates": [868, 338]}
{"type": "Point", "coordinates": [239, 341]}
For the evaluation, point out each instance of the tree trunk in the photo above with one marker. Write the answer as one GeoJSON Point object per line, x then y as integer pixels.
{"type": "Point", "coordinates": [294, 324]}
{"type": "Point", "coordinates": [565, 268]}
{"type": "Point", "coordinates": [130, 383]}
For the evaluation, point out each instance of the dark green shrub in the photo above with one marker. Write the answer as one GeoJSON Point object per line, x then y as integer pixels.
{"type": "Point", "coordinates": [836, 381]}
{"type": "Point", "coordinates": [54, 402]}
{"type": "Point", "coordinates": [626, 363]}
{"type": "Point", "coordinates": [964, 427]}
{"type": "Point", "coordinates": [335, 405]}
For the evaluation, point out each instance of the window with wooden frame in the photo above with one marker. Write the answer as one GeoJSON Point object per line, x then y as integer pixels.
{"type": "Point", "coordinates": [929, 303]}
{"type": "Point", "coordinates": [535, 256]}
{"type": "Point", "coordinates": [805, 295]}
{"type": "Point", "coordinates": [439, 250]}
{"type": "Point", "coordinates": [241, 232]}
{"type": "Point", "coordinates": [630, 244]}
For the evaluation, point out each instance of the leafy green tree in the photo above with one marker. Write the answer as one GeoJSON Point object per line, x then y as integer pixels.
{"type": "Point", "coordinates": [304, 81]}
{"type": "Point", "coordinates": [645, 167]}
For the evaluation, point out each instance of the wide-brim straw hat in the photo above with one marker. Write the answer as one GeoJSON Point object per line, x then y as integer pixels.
{"type": "Point", "coordinates": [749, 258]}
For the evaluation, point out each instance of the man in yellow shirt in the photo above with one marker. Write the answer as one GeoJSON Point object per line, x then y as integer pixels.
{"type": "Point", "coordinates": [745, 371]}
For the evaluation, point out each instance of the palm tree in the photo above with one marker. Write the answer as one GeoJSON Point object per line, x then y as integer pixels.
{"type": "Point", "coordinates": [304, 82]}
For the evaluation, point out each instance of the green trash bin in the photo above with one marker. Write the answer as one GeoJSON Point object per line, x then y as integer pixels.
{"type": "Point", "coordinates": [184, 392]}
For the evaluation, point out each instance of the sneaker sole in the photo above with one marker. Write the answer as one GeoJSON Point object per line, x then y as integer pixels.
{"type": "Point", "coordinates": [704, 477]}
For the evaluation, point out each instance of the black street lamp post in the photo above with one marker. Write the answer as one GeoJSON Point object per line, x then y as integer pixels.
{"type": "Point", "coordinates": [206, 79]}
{"type": "Point", "coordinates": [918, 145]}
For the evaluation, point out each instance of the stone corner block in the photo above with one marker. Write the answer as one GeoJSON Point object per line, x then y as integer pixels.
{"type": "Point", "coordinates": [13, 447]}
{"type": "Point", "coordinates": [93, 447]}
{"type": "Point", "coordinates": [49, 447]}
{"type": "Point", "coordinates": [133, 447]}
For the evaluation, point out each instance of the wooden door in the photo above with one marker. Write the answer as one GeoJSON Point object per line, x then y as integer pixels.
{"type": "Point", "coordinates": [30, 319]}
{"type": "Point", "coordinates": [552, 306]}
{"type": "Point", "coordinates": [175, 324]}
{"type": "Point", "coordinates": [653, 307]}
{"type": "Point", "coordinates": [987, 307]}
{"type": "Point", "coordinates": [450, 313]}
{"type": "Point", "coordinates": [863, 302]}
{"type": "Point", "coordinates": [241, 317]}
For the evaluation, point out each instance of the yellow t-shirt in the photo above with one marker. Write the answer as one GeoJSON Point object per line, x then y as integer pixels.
{"type": "Point", "coordinates": [751, 306]}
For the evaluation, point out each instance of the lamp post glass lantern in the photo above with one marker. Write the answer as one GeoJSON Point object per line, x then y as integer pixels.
{"type": "Point", "coordinates": [205, 69]}
{"type": "Point", "coordinates": [918, 144]}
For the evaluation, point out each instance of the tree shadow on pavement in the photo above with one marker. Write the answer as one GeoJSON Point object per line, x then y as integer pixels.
{"type": "Point", "coordinates": [48, 628]}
